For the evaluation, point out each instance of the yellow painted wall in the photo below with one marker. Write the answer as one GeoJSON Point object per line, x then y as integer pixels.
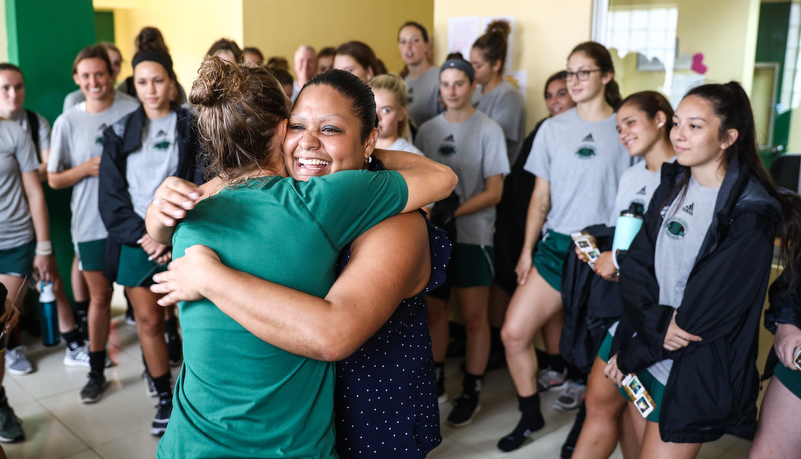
{"type": "Point", "coordinates": [724, 31]}
{"type": "Point", "coordinates": [189, 28]}
{"type": "Point", "coordinates": [545, 32]}
{"type": "Point", "coordinates": [3, 33]}
{"type": "Point", "coordinates": [279, 27]}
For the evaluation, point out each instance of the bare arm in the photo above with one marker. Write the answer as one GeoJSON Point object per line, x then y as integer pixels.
{"type": "Point", "coordinates": [41, 225]}
{"type": "Point", "coordinates": [388, 263]}
{"type": "Point", "coordinates": [70, 177]}
{"type": "Point", "coordinates": [493, 190]}
{"type": "Point", "coordinates": [538, 210]}
{"type": "Point", "coordinates": [428, 181]}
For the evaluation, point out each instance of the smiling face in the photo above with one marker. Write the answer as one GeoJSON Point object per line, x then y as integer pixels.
{"type": "Point", "coordinates": [485, 71]}
{"type": "Point", "coordinates": [153, 85]}
{"type": "Point", "coordinates": [557, 97]}
{"type": "Point", "coordinates": [455, 88]}
{"type": "Point", "coordinates": [349, 64]}
{"type": "Point", "coordinates": [12, 93]}
{"type": "Point", "coordinates": [389, 112]}
{"type": "Point", "coordinates": [593, 86]}
{"type": "Point", "coordinates": [411, 45]}
{"type": "Point", "coordinates": [696, 134]}
{"type": "Point", "coordinates": [324, 135]}
{"type": "Point", "coordinates": [638, 133]}
{"type": "Point", "coordinates": [94, 79]}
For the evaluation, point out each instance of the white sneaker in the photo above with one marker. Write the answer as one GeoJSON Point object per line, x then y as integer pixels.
{"type": "Point", "coordinates": [571, 397]}
{"type": "Point", "coordinates": [80, 357]}
{"type": "Point", "coordinates": [16, 362]}
{"type": "Point", "coordinates": [549, 379]}
{"type": "Point", "coordinates": [77, 358]}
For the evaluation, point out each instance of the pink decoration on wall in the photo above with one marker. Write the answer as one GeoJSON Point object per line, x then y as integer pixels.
{"type": "Point", "coordinates": [698, 63]}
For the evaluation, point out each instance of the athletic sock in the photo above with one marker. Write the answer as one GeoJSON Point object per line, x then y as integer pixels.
{"type": "Point", "coordinates": [73, 338]}
{"type": "Point", "coordinates": [82, 318]}
{"type": "Point", "coordinates": [162, 385]}
{"type": "Point", "coordinates": [531, 420]}
{"type": "Point", "coordinates": [97, 361]}
{"type": "Point", "coordinates": [440, 375]}
{"type": "Point", "coordinates": [471, 385]}
{"type": "Point", "coordinates": [3, 399]}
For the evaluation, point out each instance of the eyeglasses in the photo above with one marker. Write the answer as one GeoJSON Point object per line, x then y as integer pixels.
{"type": "Point", "coordinates": [582, 75]}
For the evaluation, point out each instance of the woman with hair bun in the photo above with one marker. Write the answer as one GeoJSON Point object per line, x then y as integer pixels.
{"type": "Point", "coordinates": [151, 39]}
{"type": "Point", "coordinates": [259, 222]}
{"type": "Point", "coordinates": [359, 59]}
{"type": "Point", "coordinates": [577, 159]}
{"type": "Point", "coordinates": [393, 117]}
{"type": "Point", "coordinates": [499, 100]}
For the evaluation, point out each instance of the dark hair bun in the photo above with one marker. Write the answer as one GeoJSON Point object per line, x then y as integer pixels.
{"type": "Point", "coordinates": [217, 83]}
{"type": "Point", "coordinates": [501, 27]}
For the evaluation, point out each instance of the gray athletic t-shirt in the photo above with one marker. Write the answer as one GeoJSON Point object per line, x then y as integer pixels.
{"type": "Point", "coordinates": [583, 162]}
{"type": "Point", "coordinates": [17, 156]}
{"type": "Point", "coordinates": [77, 138]}
{"type": "Point", "coordinates": [403, 145]}
{"type": "Point", "coordinates": [505, 106]}
{"type": "Point", "coordinates": [680, 237]}
{"type": "Point", "coordinates": [147, 167]}
{"type": "Point", "coordinates": [44, 128]}
{"type": "Point", "coordinates": [637, 185]}
{"type": "Point", "coordinates": [475, 150]}
{"type": "Point", "coordinates": [422, 96]}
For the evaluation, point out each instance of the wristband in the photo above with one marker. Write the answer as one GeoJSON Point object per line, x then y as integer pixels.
{"type": "Point", "coordinates": [614, 259]}
{"type": "Point", "coordinates": [44, 248]}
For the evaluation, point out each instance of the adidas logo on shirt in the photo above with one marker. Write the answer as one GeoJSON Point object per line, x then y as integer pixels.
{"type": "Point", "coordinates": [688, 209]}
{"type": "Point", "coordinates": [449, 138]}
{"type": "Point", "coordinates": [588, 138]}
{"type": "Point", "coordinates": [641, 192]}
{"type": "Point", "coordinates": [161, 133]}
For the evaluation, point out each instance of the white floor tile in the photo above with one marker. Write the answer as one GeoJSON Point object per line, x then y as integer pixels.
{"type": "Point", "coordinates": [85, 454]}
{"type": "Point", "coordinates": [452, 449]}
{"type": "Point", "coordinates": [137, 445]}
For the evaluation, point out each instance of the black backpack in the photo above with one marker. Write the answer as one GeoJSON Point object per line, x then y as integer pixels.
{"type": "Point", "coordinates": [33, 124]}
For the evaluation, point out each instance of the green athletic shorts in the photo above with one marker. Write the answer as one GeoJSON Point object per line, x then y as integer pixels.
{"type": "Point", "coordinates": [654, 387]}
{"type": "Point", "coordinates": [91, 255]}
{"type": "Point", "coordinates": [790, 378]}
{"type": "Point", "coordinates": [135, 270]}
{"type": "Point", "coordinates": [18, 261]}
{"type": "Point", "coordinates": [550, 256]}
{"type": "Point", "coordinates": [473, 265]}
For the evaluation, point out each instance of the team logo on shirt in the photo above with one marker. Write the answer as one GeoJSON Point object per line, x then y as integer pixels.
{"type": "Point", "coordinates": [446, 150]}
{"type": "Point", "coordinates": [688, 208]}
{"type": "Point", "coordinates": [676, 228]}
{"type": "Point", "coordinates": [449, 138]}
{"type": "Point", "coordinates": [409, 95]}
{"type": "Point", "coordinates": [642, 192]}
{"type": "Point", "coordinates": [163, 145]}
{"type": "Point", "coordinates": [161, 133]}
{"type": "Point", "coordinates": [586, 152]}
{"type": "Point", "coordinates": [99, 139]}
{"type": "Point", "coordinates": [588, 138]}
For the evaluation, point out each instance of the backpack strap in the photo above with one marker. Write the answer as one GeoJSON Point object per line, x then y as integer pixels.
{"type": "Point", "coordinates": [33, 124]}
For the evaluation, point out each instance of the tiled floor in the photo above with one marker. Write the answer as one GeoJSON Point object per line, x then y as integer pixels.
{"type": "Point", "coordinates": [58, 425]}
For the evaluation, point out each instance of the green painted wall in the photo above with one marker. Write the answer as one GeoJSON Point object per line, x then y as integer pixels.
{"type": "Point", "coordinates": [774, 22]}
{"type": "Point", "coordinates": [104, 26]}
{"type": "Point", "coordinates": [44, 36]}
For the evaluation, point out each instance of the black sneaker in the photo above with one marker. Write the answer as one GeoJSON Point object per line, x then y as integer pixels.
{"type": "Point", "coordinates": [10, 425]}
{"type": "Point", "coordinates": [159, 425]}
{"type": "Point", "coordinates": [175, 349]}
{"type": "Point", "coordinates": [464, 409]}
{"type": "Point", "coordinates": [93, 390]}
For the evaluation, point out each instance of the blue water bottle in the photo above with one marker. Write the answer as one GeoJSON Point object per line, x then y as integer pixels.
{"type": "Point", "coordinates": [628, 225]}
{"type": "Point", "coordinates": [48, 313]}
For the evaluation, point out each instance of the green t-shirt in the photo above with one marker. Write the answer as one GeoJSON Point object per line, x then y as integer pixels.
{"type": "Point", "coordinates": [237, 396]}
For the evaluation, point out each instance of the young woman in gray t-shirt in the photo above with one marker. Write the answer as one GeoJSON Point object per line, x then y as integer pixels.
{"type": "Point", "coordinates": [644, 120]}
{"type": "Point", "coordinates": [578, 160]}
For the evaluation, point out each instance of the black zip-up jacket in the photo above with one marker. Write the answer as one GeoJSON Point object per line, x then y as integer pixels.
{"type": "Point", "coordinates": [119, 140]}
{"type": "Point", "coordinates": [713, 385]}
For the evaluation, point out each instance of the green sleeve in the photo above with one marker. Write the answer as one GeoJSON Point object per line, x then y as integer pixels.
{"type": "Point", "coordinates": [346, 204]}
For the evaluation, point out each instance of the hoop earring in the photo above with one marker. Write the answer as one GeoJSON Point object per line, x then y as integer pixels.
{"type": "Point", "coordinates": [368, 160]}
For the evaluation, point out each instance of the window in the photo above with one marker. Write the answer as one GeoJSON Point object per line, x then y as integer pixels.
{"type": "Point", "coordinates": [648, 31]}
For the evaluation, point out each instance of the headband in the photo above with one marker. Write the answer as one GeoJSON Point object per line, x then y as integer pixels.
{"type": "Point", "coordinates": [159, 57]}
{"type": "Point", "coordinates": [459, 64]}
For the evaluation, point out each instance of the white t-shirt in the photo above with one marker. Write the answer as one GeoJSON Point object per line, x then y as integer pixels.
{"type": "Point", "coordinates": [403, 145]}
